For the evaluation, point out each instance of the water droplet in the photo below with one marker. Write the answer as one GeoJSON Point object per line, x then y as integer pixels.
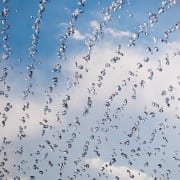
{"type": "Point", "coordinates": [161, 10]}
{"type": "Point", "coordinates": [135, 36]}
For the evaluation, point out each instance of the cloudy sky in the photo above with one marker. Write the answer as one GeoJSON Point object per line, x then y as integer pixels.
{"type": "Point", "coordinates": [89, 89]}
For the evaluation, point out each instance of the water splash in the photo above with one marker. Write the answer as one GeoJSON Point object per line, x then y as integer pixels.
{"type": "Point", "coordinates": [119, 115]}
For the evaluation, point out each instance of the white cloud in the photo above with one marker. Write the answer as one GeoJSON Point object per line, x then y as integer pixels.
{"type": "Point", "coordinates": [121, 171]}
{"type": "Point", "coordinates": [118, 34]}
{"type": "Point", "coordinates": [112, 32]}
{"type": "Point", "coordinates": [33, 116]}
{"type": "Point", "coordinates": [63, 24]}
{"type": "Point", "coordinates": [78, 36]}
{"type": "Point", "coordinates": [94, 24]}
{"type": "Point", "coordinates": [120, 70]}
{"type": "Point", "coordinates": [14, 119]}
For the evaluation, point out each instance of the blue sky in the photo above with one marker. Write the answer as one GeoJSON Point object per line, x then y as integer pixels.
{"type": "Point", "coordinates": [86, 111]}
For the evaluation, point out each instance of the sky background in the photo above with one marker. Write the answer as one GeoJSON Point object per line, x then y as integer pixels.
{"type": "Point", "coordinates": [113, 116]}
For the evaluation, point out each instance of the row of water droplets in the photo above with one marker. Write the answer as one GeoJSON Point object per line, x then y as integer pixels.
{"type": "Point", "coordinates": [152, 20]}
{"type": "Point", "coordinates": [5, 68]}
